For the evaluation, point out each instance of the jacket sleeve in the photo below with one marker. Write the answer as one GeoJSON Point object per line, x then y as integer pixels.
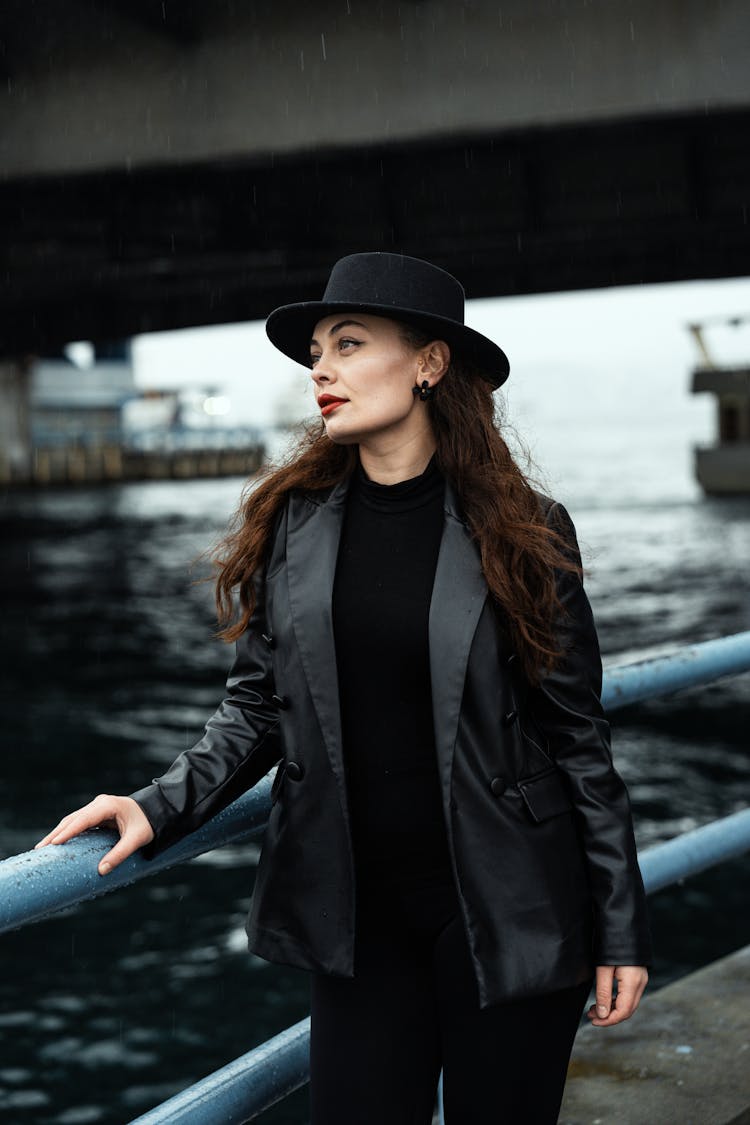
{"type": "Point", "coordinates": [239, 746]}
{"type": "Point", "coordinates": [566, 707]}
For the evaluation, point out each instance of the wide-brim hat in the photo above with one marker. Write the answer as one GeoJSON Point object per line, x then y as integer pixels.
{"type": "Point", "coordinates": [398, 287]}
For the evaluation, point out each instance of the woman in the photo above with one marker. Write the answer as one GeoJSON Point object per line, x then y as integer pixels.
{"type": "Point", "coordinates": [449, 851]}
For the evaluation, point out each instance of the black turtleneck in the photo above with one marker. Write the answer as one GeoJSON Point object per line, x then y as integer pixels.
{"type": "Point", "coordinates": [381, 601]}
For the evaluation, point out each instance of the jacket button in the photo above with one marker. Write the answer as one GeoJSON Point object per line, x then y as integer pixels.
{"type": "Point", "coordinates": [269, 639]}
{"type": "Point", "coordinates": [512, 659]}
{"type": "Point", "coordinates": [510, 718]}
{"type": "Point", "coordinates": [295, 771]}
{"type": "Point", "coordinates": [498, 785]}
{"type": "Point", "coordinates": [281, 702]}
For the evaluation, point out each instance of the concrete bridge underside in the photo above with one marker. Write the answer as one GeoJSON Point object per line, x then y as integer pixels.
{"type": "Point", "coordinates": [114, 253]}
{"type": "Point", "coordinates": [166, 165]}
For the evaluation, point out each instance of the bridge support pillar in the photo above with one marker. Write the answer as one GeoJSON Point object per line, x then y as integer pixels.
{"type": "Point", "coordinates": [15, 428]}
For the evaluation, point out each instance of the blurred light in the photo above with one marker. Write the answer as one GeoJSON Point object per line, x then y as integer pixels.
{"type": "Point", "coordinates": [80, 353]}
{"type": "Point", "coordinates": [216, 404]}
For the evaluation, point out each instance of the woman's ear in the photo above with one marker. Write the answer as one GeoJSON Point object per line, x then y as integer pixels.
{"type": "Point", "coordinates": [434, 359]}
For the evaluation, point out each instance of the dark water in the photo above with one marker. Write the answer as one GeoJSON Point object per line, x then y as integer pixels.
{"type": "Point", "coordinates": [110, 671]}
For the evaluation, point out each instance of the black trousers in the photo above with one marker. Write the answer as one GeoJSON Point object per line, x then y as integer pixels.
{"type": "Point", "coordinates": [379, 1040]}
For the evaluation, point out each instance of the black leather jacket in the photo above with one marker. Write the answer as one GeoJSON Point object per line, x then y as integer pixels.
{"type": "Point", "coordinates": [538, 820]}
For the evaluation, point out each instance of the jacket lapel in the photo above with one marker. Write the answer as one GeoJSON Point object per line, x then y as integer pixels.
{"type": "Point", "coordinates": [458, 597]}
{"type": "Point", "coordinates": [312, 545]}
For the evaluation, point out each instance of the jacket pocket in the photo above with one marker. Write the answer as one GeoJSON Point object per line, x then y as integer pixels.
{"type": "Point", "coordinates": [545, 795]}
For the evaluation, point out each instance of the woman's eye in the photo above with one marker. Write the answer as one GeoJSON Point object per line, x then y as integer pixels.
{"type": "Point", "coordinates": [344, 342]}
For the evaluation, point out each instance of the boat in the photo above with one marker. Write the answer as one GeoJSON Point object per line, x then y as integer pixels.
{"type": "Point", "coordinates": [723, 469]}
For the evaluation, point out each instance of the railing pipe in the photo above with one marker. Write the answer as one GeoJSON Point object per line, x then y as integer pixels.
{"type": "Point", "coordinates": [695, 851]}
{"type": "Point", "coordinates": [244, 1088]}
{"type": "Point", "coordinates": [691, 666]}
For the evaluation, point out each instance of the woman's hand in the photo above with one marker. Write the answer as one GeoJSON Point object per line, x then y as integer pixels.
{"type": "Point", "coordinates": [121, 812]}
{"type": "Point", "coordinates": [631, 981]}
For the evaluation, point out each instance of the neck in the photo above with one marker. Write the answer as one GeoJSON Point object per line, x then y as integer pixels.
{"type": "Point", "coordinates": [390, 464]}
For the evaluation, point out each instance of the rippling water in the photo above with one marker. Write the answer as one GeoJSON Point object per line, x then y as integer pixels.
{"type": "Point", "coordinates": [111, 671]}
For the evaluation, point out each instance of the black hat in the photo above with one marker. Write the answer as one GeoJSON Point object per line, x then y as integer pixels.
{"type": "Point", "coordinates": [395, 286]}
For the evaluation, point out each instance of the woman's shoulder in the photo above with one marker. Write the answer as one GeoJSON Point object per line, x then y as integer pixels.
{"type": "Point", "coordinates": [552, 510]}
{"type": "Point", "coordinates": [557, 517]}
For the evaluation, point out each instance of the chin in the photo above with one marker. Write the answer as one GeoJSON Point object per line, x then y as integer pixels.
{"type": "Point", "coordinates": [341, 437]}
{"type": "Point", "coordinates": [343, 434]}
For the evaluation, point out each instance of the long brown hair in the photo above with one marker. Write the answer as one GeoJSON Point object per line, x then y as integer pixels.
{"type": "Point", "coordinates": [519, 552]}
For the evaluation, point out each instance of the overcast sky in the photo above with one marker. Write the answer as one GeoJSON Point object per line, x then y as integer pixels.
{"type": "Point", "coordinates": [639, 329]}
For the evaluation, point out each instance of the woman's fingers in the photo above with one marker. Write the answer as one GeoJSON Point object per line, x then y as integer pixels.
{"type": "Point", "coordinates": [131, 822]}
{"type": "Point", "coordinates": [50, 835]}
{"type": "Point", "coordinates": [127, 844]}
{"type": "Point", "coordinates": [90, 816]}
{"type": "Point", "coordinates": [631, 981]}
{"type": "Point", "coordinates": [605, 975]}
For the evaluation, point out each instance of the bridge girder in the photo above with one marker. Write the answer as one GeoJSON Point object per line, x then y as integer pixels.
{"type": "Point", "coordinates": [109, 254]}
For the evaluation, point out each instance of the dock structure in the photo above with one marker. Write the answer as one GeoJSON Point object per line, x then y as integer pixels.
{"type": "Point", "coordinates": [683, 1058]}
{"type": "Point", "coordinates": [110, 464]}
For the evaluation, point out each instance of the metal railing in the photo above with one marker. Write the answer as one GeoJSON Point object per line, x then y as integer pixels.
{"type": "Point", "coordinates": [38, 883]}
{"type": "Point", "coordinates": [690, 666]}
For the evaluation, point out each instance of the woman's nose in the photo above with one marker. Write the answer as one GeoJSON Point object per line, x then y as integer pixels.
{"type": "Point", "coordinates": [320, 374]}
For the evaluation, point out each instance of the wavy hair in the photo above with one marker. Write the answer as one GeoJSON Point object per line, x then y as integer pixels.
{"type": "Point", "coordinates": [521, 556]}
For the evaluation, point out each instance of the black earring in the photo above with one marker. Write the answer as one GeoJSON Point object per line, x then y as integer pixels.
{"type": "Point", "coordinates": [424, 391]}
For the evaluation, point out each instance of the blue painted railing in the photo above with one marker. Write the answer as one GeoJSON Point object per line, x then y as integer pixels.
{"type": "Point", "coordinates": [691, 666]}
{"type": "Point", "coordinates": [37, 883]}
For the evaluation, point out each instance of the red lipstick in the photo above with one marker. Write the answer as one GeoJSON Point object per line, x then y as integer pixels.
{"type": "Point", "coordinates": [327, 403]}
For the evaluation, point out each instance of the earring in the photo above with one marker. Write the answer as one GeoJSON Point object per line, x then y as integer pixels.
{"type": "Point", "coordinates": [424, 391]}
